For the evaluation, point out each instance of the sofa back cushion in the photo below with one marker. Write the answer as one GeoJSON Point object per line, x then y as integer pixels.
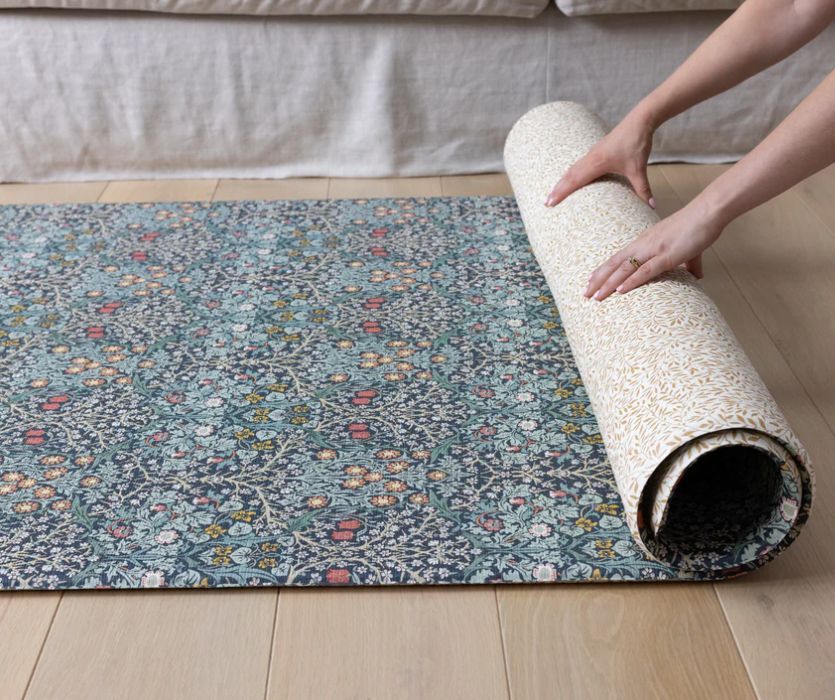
{"type": "Point", "coordinates": [609, 7]}
{"type": "Point", "coordinates": [502, 8]}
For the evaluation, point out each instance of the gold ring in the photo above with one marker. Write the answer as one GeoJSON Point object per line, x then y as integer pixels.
{"type": "Point", "coordinates": [634, 262]}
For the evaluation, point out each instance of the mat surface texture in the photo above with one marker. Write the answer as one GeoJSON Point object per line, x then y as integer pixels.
{"type": "Point", "coordinates": [307, 392]}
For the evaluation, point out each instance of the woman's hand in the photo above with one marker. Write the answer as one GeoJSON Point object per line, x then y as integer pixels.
{"type": "Point", "coordinates": [624, 150]}
{"type": "Point", "coordinates": [677, 240]}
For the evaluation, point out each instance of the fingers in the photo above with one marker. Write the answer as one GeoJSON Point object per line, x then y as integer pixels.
{"type": "Point", "coordinates": [640, 183]}
{"type": "Point", "coordinates": [606, 278]}
{"type": "Point", "coordinates": [646, 272]}
{"type": "Point", "coordinates": [694, 267]}
{"type": "Point", "coordinates": [578, 175]}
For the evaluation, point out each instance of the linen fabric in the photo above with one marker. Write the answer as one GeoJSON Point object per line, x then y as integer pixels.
{"type": "Point", "coordinates": [578, 8]}
{"type": "Point", "coordinates": [688, 424]}
{"type": "Point", "coordinates": [142, 95]}
{"type": "Point", "coordinates": [502, 8]}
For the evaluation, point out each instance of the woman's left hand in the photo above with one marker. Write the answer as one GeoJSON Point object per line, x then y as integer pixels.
{"type": "Point", "coordinates": [677, 240]}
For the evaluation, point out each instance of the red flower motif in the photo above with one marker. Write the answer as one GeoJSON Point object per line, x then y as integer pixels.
{"type": "Point", "coordinates": [338, 576]}
{"type": "Point", "coordinates": [342, 535]}
{"type": "Point", "coordinates": [139, 255]}
{"type": "Point", "coordinates": [109, 307]}
{"type": "Point", "coordinates": [352, 524]}
{"type": "Point", "coordinates": [379, 233]}
{"type": "Point", "coordinates": [119, 530]}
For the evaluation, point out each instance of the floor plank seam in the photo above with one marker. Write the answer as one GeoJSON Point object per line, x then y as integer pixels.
{"type": "Point", "coordinates": [737, 645]}
{"type": "Point", "coordinates": [272, 645]}
{"type": "Point", "coordinates": [43, 645]}
{"type": "Point", "coordinates": [214, 191]}
{"type": "Point", "coordinates": [508, 686]}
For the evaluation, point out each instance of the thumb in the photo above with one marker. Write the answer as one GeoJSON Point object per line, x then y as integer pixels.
{"type": "Point", "coordinates": [640, 183]}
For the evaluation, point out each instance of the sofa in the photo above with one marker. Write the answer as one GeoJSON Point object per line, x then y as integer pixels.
{"type": "Point", "coordinates": [109, 89]}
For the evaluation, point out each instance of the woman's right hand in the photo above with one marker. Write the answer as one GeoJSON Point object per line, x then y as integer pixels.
{"type": "Point", "coordinates": [624, 151]}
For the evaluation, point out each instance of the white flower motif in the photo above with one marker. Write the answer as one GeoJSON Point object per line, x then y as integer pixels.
{"type": "Point", "coordinates": [204, 430]}
{"type": "Point", "coordinates": [515, 322]}
{"type": "Point", "coordinates": [528, 425]}
{"type": "Point", "coordinates": [544, 572]}
{"type": "Point", "coordinates": [167, 537]}
{"type": "Point", "coordinates": [524, 396]}
{"type": "Point", "coordinates": [512, 302]}
{"type": "Point", "coordinates": [540, 530]}
{"type": "Point", "coordinates": [246, 306]}
{"type": "Point", "coordinates": [152, 579]}
{"type": "Point", "coordinates": [214, 401]}
{"type": "Point", "coordinates": [239, 327]}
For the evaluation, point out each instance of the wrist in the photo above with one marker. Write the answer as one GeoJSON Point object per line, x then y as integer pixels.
{"type": "Point", "coordinates": [647, 114]}
{"type": "Point", "coordinates": [714, 207]}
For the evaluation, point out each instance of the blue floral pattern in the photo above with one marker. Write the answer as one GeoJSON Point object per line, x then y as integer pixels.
{"type": "Point", "coordinates": [293, 393]}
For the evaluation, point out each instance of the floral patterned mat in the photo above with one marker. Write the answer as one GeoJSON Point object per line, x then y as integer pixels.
{"type": "Point", "coordinates": [293, 393]}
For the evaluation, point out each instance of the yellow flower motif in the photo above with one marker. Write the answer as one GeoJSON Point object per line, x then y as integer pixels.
{"type": "Point", "coordinates": [278, 388]}
{"type": "Point", "coordinates": [17, 308]}
{"type": "Point", "coordinates": [577, 409]}
{"type": "Point", "coordinates": [595, 439]}
{"type": "Point", "coordinates": [280, 304]}
{"type": "Point", "coordinates": [287, 316]}
{"type": "Point", "coordinates": [301, 409]}
{"type": "Point", "coordinates": [244, 434]}
{"type": "Point", "coordinates": [584, 524]}
{"type": "Point", "coordinates": [292, 338]}
{"type": "Point", "coordinates": [269, 547]}
{"type": "Point", "coordinates": [261, 415]}
{"type": "Point", "coordinates": [570, 428]}
{"type": "Point", "coordinates": [254, 398]}
{"type": "Point", "coordinates": [300, 295]}
{"type": "Point", "coordinates": [299, 420]}
{"type": "Point", "coordinates": [214, 530]}
{"type": "Point", "coordinates": [608, 508]}
{"type": "Point", "coordinates": [263, 445]}
{"type": "Point", "coordinates": [266, 563]}
{"type": "Point", "coordinates": [317, 501]}
{"type": "Point", "coordinates": [244, 515]}
{"type": "Point", "coordinates": [327, 453]}
{"type": "Point", "coordinates": [562, 393]}
{"type": "Point", "coordinates": [549, 325]}
{"type": "Point", "coordinates": [272, 330]}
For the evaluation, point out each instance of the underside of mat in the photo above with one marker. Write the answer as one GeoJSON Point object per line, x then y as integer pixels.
{"type": "Point", "coordinates": [712, 477]}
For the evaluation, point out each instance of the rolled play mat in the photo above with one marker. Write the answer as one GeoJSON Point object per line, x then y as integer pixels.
{"type": "Point", "coordinates": [711, 475]}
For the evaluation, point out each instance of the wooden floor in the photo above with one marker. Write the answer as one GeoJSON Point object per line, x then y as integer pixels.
{"type": "Point", "coordinates": [770, 634]}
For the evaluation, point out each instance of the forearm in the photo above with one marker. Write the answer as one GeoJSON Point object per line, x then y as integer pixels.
{"type": "Point", "coordinates": [802, 144]}
{"type": "Point", "coordinates": [759, 34]}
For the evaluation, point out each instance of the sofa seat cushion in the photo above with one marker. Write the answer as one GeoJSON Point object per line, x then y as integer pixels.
{"type": "Point", "coordinates": [501, 8]}
{"type": "Point", "coordinates": [574, 8]}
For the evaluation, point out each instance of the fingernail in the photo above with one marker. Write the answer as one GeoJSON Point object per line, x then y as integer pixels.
{"type": "Point", "coordinates": [652, 202]}
{"type": "Point", "coordinates": [619, 289]}
{"type": "Point", "coordinates": [598, 294]}
{"type": "Point", "coordinates": [548, 202]}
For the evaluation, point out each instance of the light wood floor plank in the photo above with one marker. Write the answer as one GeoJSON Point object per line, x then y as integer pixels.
{"type": "Point", "coordinates": [818, 192]}
{"type": "Point", "coordinates": [491, 184]}
{"type": "Point", "coordinates": [782, 617]}
{"type": "Point", "coordinates": [350, 188]}
{"type": "Point", "coordinates": [50, 192]}
{"type": "Point", "coordinates": [291, 188]}
{"type": "Point", "coordinates": [157, 644]}
{"type": "Point", "coordinates": [24, 622]}
{"type": "Point", "coordinates": [159, 191]}
{"type": "Point", "coordinates": [388, 643]}
{"type": "Point", "coordinates": [620, 641]}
